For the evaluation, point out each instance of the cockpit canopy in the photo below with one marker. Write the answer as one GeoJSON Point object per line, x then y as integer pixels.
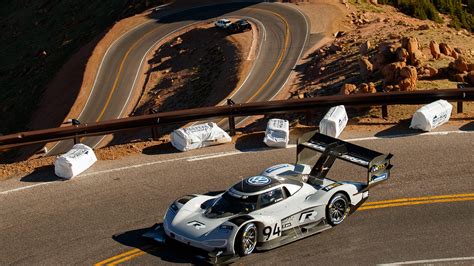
{"type": "Point", "coordinates": [251, 194]}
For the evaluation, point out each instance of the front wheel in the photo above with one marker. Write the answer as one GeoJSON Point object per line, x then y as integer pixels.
{"type": "Point", "coordinates": [337, 209]}
{"type": "Point", "coordinates": [246, 240]}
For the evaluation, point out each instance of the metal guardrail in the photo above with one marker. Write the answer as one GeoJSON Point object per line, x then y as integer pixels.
{"type": "Point", "coordinates": [231, 111]}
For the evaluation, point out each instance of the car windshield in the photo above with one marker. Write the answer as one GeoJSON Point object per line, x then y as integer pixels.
{"type": "Point", "coordinates": [228, 205]}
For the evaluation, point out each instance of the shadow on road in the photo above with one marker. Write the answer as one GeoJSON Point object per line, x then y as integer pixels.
{"type": "Point", "coordinates": [401, 128]}
{"type": "Point", "coordinates": [164, 148]}
{"type": "Point", "coordinates": [42, 174]}
{"type": "Point", "coordinates": [467, 127]}
{"type": "Point", "coordinates": [170, 252]}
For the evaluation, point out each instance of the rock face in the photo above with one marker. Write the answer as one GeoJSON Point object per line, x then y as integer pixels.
{"type": "Point", "coordinates": [365, 48]}
{"type": "Point", "coordinates": [446, 49]}
{"type": "Point", "coordinates": [435, 52]}
{"type": "Point", "coordinates": [429, 71]}
{"type": "Point", "coordinates": [348, 89]}
{"type": "Point", "coordinates": [365, 67]}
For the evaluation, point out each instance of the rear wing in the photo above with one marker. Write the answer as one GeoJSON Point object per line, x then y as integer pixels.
{"type": "Point", "coordinates": [377, 164]}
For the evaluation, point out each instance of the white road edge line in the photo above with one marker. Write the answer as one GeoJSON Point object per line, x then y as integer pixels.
{"type": "Point", "coordinates": [140, 68]}
{"type": "Point", "coordinates": [223, 154]}
{"type": "Point", "coordinates": [299, 57]}
{"type": "Point", "coordinates": [428, 261]}
{"type": "Point", "coordinates": [100, 67]}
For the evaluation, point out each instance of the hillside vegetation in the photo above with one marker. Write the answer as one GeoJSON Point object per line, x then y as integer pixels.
{"type": "Point", "coordinates": [460, 11]}
{"type": "Point", "coordinates": [38, 37]}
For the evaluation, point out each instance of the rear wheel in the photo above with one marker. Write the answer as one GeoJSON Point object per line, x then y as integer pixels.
{"type": "Point", "coordinates": [337, 209]}
{"type": "Point", "coordinates": [246, 240]}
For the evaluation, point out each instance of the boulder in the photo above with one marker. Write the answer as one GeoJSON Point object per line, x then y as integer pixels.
{"type": "Point", "coordinates": [364, 48]}
{"type": "Point", "coordinates": [401, 54]}
{"type": "Point", "coordinates": [470, 67]}
{"type": "Point", "coordinates": [407, 85]}
{"type": "Point", "coordinates": [430, 71]}
{"type": "Point", "coordinates": [366, 68]}
{"type": "Point", "coordinates": [391, 71]}
{"type": "Point", "coordinates": [410, 77]}
{"type": "Point", "coordinates": [424, 27]}
{"type": "Point", "coordinates": [372, 88]}
{"type": "Point", "coordinates": [364, 88]}
{"type": "Point", "coordinates": [435, 52]}
{"type": "Point", "coordinates": [348, 89]}
{"type": "Point", "coordinates": [416, 57]}
{"type": "Point", "coordinates": [411, 44]}
{"type": "Point", "coordinates": [459, 77]}
{"type": "Point", "coordinates": [409, 72]}
{"type": "Point", "coordinates": [458, 50]}
{"type": "Point", "coordinates": [454, 55]}
{"type": "Point", "coordinates": [470, 78]}
{"type": "Point", "coordinates": [445, 49]}
{"type": "Point", "coordinates": [460, 64]}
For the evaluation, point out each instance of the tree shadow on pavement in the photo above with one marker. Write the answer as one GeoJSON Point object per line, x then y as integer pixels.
{"type": "Point", "coordinates": [42, 174]}
{"type": "Point", "coordinates": [171, 251]}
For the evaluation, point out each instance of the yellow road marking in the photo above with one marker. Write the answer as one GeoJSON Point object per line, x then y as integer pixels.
{"type": "Point", "coordinates": [419, 198]}
{"type": "Point", "coordinates": [119, 256]}
{"type": "Point", "coordinates": [367, 206]}
{"type": "Point", "coordinates": [114, 86]}
{"type": "Point", "coordinates": [280, 58]}
{"type": "Point", "coordinates": [364, 207]}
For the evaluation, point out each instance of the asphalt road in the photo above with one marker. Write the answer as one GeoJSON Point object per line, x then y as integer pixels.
{"type": "Point", "coordinates": [283, 31]}
{"type": "Point", "coordinates": [100, 214]}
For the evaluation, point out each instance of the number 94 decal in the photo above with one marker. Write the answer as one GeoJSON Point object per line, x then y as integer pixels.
{"type": "Point", "coordinates": [268, 231]}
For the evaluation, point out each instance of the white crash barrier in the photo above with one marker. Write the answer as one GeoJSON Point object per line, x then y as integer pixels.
{"type": "Point", "coordinates": [278, 133]}
{"type": "Point", "coordinates": [334, 121]}
{"type": "Point", "coordinates": [74, 162]}
{"type": "Point", "coordinates": [431, 115]}
{"type": "Point", "coordinates": [198, 136]}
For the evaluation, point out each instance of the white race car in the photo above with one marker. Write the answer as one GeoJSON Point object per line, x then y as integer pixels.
{"type": "Point", "coordinates": [222, 23]}
{"type": "Point", "coordinates": [284, 203]}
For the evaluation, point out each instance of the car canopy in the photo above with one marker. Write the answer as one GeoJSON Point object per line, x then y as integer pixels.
{"type": "Point", "coordinates": [377, 164]}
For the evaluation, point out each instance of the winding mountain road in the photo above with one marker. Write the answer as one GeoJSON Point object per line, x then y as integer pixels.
{"type": "Point", "coordinates": [283, 33]}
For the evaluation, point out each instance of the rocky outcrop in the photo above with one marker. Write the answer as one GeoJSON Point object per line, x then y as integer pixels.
{"type": "Point", "coordinates": [428, 72]}
{"type": "Point", "coordinates": [435, 52]}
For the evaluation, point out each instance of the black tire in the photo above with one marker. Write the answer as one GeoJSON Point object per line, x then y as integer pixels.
{"type": "Point", "coordinates": [337, 209]}
{"type": "Point", "coordinates": [246, 240]}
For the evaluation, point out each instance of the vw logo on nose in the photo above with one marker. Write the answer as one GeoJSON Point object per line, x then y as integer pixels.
{"type": "Point", "coordinates": [258, 180]}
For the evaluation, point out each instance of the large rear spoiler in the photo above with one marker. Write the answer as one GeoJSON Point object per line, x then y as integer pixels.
{"type": "Point", "coordinates": [377, 164]}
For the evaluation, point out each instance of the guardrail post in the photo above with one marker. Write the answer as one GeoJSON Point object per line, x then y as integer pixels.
{"type": "Point", "coordinates": [460, 103]}
{"type": "Point", "coordinates": [384, 112]}
{"type": "Point", "coordinates": [231, 119]}
{"type": "Point", "coordinates": [154, 131]}
{"type": "Point", "coordinates": [76, 123]}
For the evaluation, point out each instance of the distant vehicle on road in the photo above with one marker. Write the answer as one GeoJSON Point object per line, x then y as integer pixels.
{"type": "Point", "coordinates": [223, 23]}
{"type": "Point", "coordinates": [239, 26]}
{"type": "Point", "coordinates": [285, 203]}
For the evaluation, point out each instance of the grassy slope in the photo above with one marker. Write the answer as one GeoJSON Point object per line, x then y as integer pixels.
{"type": "Point", "coordinates": [58, 27]}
